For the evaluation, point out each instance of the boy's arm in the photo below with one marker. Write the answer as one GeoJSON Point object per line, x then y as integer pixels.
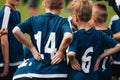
{"type": "Point", "coordinates": [106, 53]}
{"type": "Point", "coordinates": [5, 51]}
{"type": "Point", "coordinates": [60, 54]}
{"type": "Point", "coordinates": [23, 39]}
{"type": "Point", "coordinates": [73, 61]}
{"type": "Point", "coordinates": [117, 36]}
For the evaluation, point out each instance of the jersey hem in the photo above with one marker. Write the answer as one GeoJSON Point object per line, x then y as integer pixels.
{"type": "Point", "coordinates": [30, 75]}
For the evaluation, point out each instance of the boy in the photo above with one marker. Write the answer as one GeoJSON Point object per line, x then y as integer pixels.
{"type": "Point", "coordinates": [87, 43]}
{"type": "Point", "coordinates": [116, 57]}
{"type": "Point", "coordinates": [50, 36]}
{"type": "Point", "coordinates": [10, 17]}
{"type": "Point", "coordinates": [99, 17]}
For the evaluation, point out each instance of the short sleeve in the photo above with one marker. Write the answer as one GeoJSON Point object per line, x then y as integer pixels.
{"type": "Point", "coordinates": [26, 26]}
{"type": "Point", "coordinates": [66, 27]}
{"type": "Point", "coordinates": [109, 42]}
{"type": "Point", "coordinates": [115, 27]}
{"type": "Point", "coordinates": [73, 45]}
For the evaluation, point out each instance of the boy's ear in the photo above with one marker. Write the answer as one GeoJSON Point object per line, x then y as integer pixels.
{"type": "Point", "coordinates": [93, 18]}
{"type": "Point", "coordinates": [77, 18]}
{"type": "Point", "coordinates": [43, 4]}
{"type": "Point", "coordinates": [62, 6]}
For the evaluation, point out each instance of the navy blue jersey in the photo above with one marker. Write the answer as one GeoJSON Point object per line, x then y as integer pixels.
{"type": "Point", "coordinates": [47, 32]}
{"type": "Point", "coordinates": [105, 66]}
{"type": "Point", "coordinates": [88, 46]}
{"type": "Point", "coordinates": [106, 63]}
{"type": "Point", "coordinates": [9, 19]}
{"type": "Point", "coordinates": [115, 28]}
{"type": "Point", "coordinates": [27, 53]}
{"type": "Point", "coordinates": [72, 25]}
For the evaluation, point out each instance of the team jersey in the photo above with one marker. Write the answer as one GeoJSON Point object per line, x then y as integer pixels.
{"type": "Point", "coordinates": [106, 61]}
{"type": "Point", "coordinates": [88, 45]}
{"type": "Point", "coordinates": [72, 25]}
{"type": "Point", "coordinates": [47, 32]}
{"type": "Point", "coordinates": [115, 29]}
{"type": "Point", "coordinates": [105, 72]}
{"type": "Point", "coordinates": [27, 53]}
{"type": "Point", "coordinates": [9, 19]}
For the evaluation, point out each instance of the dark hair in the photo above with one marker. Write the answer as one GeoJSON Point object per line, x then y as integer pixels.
{"type": "Point", "coordinates": [101, 12]}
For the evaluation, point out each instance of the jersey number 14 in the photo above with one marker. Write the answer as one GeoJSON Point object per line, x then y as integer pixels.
{"type": "Point", "coordinates": [51, 40]}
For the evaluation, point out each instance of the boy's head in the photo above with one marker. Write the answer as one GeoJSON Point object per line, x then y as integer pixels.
{"type": "Point", "coordinates": [13, 2]}
{"type": "Point", "coordinates": [81, 10]}
{"type": "Point", "coordinates": [99, 12]}
{"type": "Point", "coordinates": [53, 4]}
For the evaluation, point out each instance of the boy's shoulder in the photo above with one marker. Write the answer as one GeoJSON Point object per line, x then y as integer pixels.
{"type": "Point", "coordinates": [49, 16]}
{"type": "Point", "coordinates": [116, 21]}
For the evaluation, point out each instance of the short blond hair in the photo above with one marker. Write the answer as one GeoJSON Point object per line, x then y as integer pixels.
{"type": "Point", "coordinates": [81, 8]}
{"type": "Point", "coordinates": [53, 4]}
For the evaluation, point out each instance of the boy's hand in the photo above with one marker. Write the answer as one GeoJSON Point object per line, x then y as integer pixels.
{"type": "Point", "coordinates": [75, 65]}
{"type": "Point", "coordinates": [6, 71]}
{"type": "Point", "coordinates": [37, 57]}
{"type": "Point", "coordinates": [96, 67]}
{"type": "Point", "coordinates": [58, 57]}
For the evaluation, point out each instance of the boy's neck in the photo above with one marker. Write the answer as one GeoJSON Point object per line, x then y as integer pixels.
{"type": "Point", "coordinates": [52, 11]}
{"type": "Point", "coordinates": [84, 25]}
{"type": "Point", "coordinates": [100, 26]}
{"type": "Point", "coordinates": [11, 6]}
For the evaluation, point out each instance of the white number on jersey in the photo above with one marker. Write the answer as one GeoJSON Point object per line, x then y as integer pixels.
{"type": "Point", "coordinates": [86, 60]}
{"type": "Point", "coordinates": [25, 63]}
{"type": "Point", "coordinates": [51, 41]}
{"type": "Point", "coordinates": [104, 62]}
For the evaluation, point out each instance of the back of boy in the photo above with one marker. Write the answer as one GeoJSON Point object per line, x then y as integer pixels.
{"type": "Point", "coordinates": [116, 57]}
{"type": "Point", "coordinates": [47, 32]}
{"type": "Point", "coordinates": [87, 43]}
{"type": "Point", "coordinates": [98, 20]}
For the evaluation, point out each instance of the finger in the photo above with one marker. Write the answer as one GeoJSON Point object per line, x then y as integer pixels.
{"type": "Point", "coordinates": [38, 57]}
{"type": "Point", "coordinates": [54, 61]}
{"type": "Point", "coordinates": [78, 67]}
{"type": "Point", "coordinates": [3, 74]}
{"type": "Point", "coordinates": [74, 67]}
{"type": "Point", "coordinates": [95, 68]}
{"type": "Point", "coordinates": [58, 61]}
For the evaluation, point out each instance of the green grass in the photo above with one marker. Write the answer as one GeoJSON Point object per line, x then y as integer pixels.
{"type": "Point", "coordinates": [25, 14]}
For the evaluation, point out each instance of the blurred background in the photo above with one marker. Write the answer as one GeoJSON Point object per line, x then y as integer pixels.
{"type": "Point", "coordinates": [23, 8]}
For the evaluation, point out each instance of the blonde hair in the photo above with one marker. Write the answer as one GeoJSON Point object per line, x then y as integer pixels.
{"type": "Point", "coordinates": [53, 4]}
{"type": "Point", "coordinates": [101, 12]}
{"type": "Point", "coordinates": [81, 8]}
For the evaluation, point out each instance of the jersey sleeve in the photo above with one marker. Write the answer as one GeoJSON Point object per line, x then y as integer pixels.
{"type": "Point", "coordinates": [115, 26]}
{"type": "Point", "coordinates": [6, 17]}
{"type": "Point", "coordinates": [73, 45]}
{"type": "Point", "coordinates": [26, 26]}
{"type": "Point", "coordinates": [66, 27]}
{"type": "Point", "coordinates": [108, 41]}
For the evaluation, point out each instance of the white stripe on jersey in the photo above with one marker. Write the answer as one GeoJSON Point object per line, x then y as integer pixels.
{"type": "Point", "coordinates": [116, 62]}
{"type": "Point", "coordinates": [6, 17]}
{"type": "Point", "coordinates": [12, 64]}
{"type": "Point", "coordinates": [30, 75]}
{"type": "Point", "coordinates": [69, 20]}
